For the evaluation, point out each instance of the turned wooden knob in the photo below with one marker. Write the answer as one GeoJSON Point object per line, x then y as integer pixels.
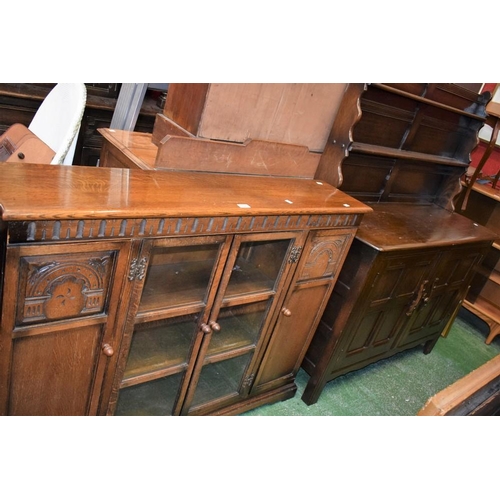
{"type": "Point", "coordinates": [205, 328]}
{"type": "Point", "coordinates": [108, 350]}
{"type": "Point", "coordinates": [215, 326]}
{"type": "Point", "coordinates": [286, 311]}
{"type": "Point", "coordinates": [20, 155]}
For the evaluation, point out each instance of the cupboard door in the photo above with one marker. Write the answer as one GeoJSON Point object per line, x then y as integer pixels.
{"type": "Point", "coordinates": [61, 383]}
{"type": "Point", "coordinates": [398, 285]}
{"type": "Point", "coordinates": [296, 321]}
{"type": "Point", "coordinates": [175, 285]}
{"type": "Point", "coordinates": [301, 311]}
{"type": "Point", "coordinates": [60, 318]}
{"type": "Point", "coordinates": [241, 319]}
{"type": "Point", "coordinates": [440, 301]}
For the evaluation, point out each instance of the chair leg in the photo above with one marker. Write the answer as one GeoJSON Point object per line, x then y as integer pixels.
{"type": "Point", "coordinates": [494, 331]}
{"type": "Point", "coordinates": [495, 180]}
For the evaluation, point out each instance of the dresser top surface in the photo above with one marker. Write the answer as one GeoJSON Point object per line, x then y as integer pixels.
{"type": "Point", "coordinates": [398, 226]}
{"type": "Point", "coordinates": [51, 192]}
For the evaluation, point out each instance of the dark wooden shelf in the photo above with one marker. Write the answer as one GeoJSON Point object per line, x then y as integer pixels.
{"type": "Point", "coordinates": [131, 379]}
{"type": "Point", "coordinates": [430, 102]}
{"type": "Point", "coordinates": [372, 149]}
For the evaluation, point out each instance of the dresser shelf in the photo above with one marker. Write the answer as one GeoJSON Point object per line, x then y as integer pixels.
{"type": "Point", "coordinates": [430, 102]}
{"type": "Point", "coordinates": [382, 151]}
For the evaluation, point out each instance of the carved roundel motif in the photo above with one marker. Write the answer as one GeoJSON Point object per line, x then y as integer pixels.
{"type": "Point", "coordinates": [65, 287]}
{"type": "Point", "coordinates": [323, 258]}
{"type": "Point", "coordinates": [66, 299]}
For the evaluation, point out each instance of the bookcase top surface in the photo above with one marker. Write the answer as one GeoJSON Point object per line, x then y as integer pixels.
{"type": "Point", "coordinates": [50, 192]}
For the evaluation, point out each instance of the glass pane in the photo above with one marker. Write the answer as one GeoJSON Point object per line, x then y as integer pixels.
{"type": "Point", "coordinates": [152, 398]}
{"type": "Point", "coordinates": [160, 345]}
{"type": "Point", "coordinates": [257, 266]}
{"type": "Point", "coordinates": [220, 379]}
{"type": "Point", "coordinates": [239, 327]}
{"type": "Point", "coordinates": [178, 276]}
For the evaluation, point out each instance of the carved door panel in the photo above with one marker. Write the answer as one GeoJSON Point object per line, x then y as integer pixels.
{"type": "Point", "coordinates": [384, 308]}
{"type": "Point", "coordinates": [60, 319]}
{"type": "Point", "coordinates": [442, 294]}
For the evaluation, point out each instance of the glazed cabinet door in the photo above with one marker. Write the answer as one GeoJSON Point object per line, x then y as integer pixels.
{"type": "Point", "coordinates": [58, 330]}
{"type": "Point", "coordinates": [241, 320]}
{"type": "Point", "coordinates": [200, 314]}
{"type": "Point", "coordinates": [175, 281]}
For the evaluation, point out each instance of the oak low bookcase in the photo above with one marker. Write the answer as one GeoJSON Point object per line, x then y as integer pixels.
{"type": "Point", "coordinates": [128, 292]}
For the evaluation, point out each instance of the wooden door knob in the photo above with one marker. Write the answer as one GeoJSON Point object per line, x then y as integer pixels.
{"type": "Point", "coordinates": [286, 312]}
{"type": "Point", "coordinates": [215, 326]}
{"type": "Point", "coordinates": [205, 328]}
{"type": "Point", "coordinates": [108, 350]}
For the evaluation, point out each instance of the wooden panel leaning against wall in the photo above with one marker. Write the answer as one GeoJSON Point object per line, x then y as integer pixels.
{"type": "Point", "coordinates": [219, 125]}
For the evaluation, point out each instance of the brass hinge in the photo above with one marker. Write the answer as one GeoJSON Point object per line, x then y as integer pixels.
{"type": "Point", "coordinates": [248, 381]}
{"type": "Point", "coordinates": [294, 255]}
{"type": "Point", "coordinates": [137, 269]}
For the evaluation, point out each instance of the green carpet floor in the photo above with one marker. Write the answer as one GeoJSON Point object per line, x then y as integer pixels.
{"type": "Point", "coordinates": [400, 385]}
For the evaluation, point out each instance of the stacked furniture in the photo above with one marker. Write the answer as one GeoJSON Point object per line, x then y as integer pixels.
{"type": "Point", "coordinates": [480, 202]}
{"type": "Point", "coordinates": [298, 113]}
{"type": "Point", "coordinates": [20, 101]}
{"type": "Point", "coordinates": [163, 284]}
{"type": "Point", "coordinates": [404, 149]}
{"type": "Point", "coordinates": [483, 299]}
{"type": "Point", "coordinates": [489, 148]}
{"type": "Point", "coordinates": [256, 129]}
{"type": "Point", "coordinates": [139, 290]}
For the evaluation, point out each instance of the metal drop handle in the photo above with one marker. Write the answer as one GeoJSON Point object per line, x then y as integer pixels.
{"type": "Point", "coordinates": [416, 301]}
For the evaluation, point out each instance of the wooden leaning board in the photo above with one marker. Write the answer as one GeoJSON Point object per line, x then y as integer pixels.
{"type": "Point", "coordinates": [478, 393]}
{"type": "Point", "coordinates": [254, 157]}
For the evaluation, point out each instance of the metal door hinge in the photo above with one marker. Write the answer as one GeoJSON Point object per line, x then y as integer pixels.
{"type": "Point", "coordinates": [294, 255]}
{"type": "Point", "coordinates": [137, 269]}
{"type": "Point", "coordinates": [248, 381]}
